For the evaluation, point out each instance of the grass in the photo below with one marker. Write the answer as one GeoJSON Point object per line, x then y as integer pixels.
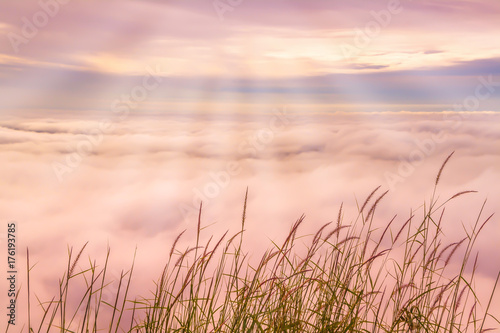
{"type": "Point", "coordinates": [349, 278]}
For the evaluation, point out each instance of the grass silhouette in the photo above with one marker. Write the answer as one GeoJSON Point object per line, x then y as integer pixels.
{"type": "Point", "coordinates": [351, 278]}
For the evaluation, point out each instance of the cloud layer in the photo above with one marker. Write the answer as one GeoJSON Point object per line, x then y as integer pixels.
{"type": "Point", "coordinates": [118, 118]}
{"type": "Point", "coordinates": [141, 182]}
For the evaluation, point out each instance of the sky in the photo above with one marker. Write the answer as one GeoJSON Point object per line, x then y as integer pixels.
{"type": "Point", "coordinates": [118, 118]}
{"type": "Point", "coordinates": [326, 55]}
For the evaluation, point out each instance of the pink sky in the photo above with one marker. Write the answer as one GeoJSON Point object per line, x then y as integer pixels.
{"type": "Point", "coordinates": [118, 117]}
{"type": "Point", "coordinates": [353, 56]}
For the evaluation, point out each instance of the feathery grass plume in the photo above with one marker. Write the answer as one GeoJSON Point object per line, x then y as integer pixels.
{"type": "Point", "coordinates": [471, 313]}
{"type": "Point", "coordinates": [383, 234]}
{"type": "Point", "coordinates": [439, 297]}
{"type": "Point", "coordinates": [442, 167]}
{"type": "Point", "coordinates": [219, 242]}
{"type": "Point", "coordinates": [230, 241]}
{"type": "Point", "coordinates": [335, 231]}
{"type": "Point", "coordinates": [375, 205]}
{"type": "Point", "coordinates": [244, 215]}
{"type": "Point", "coordinates": [401, 229]}
{"type": "Point", "coordinates": [175, 242]}
{"type": "Point", "coordinates": [198, 230]}
{"type": "Point", "coordinates": [398, 289]}
{"type": "Point", "coordinates": [347, 239]}
{"type": "Point", "coordinates": [455, 248]}
{"type": "Point", "coordinates": [368, 198]}
{"type": "Point", "coordinates": [293, 230]}
{"type": "Point", "coordinates": [444, 250]}
{"type": "Point", "coordinates": [183, 255]}
{"type": "Point", "coordinates": [70, 273]}
{"type": "Point", "coordinates": [375, 256]}
{"type": "Point", "coordinates": [484, 223]}
{"type": "Point", "coordinates": [339, 217]}
{"type": "Point", "coordinates": [459, 299]}
{"type": "Point", "coordinates": [317, 236]}
{"type": "Point", "coordinates": [460, 193]}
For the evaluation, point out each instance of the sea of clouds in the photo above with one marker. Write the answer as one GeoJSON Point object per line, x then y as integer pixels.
{"type": "Point", "coordinates": [138, 182]}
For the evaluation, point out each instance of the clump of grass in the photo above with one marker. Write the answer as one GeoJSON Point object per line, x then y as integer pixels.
{"type": "Point", "coordinates": [348, 279]}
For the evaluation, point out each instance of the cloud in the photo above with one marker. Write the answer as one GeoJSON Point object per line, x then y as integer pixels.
{"type": "Point", "coordinates": [367, 66]}
{"type": "Point", "coordinates": [304, 39]}
{"type": "Point", "coordinates": [140, 184]}
{"type": "Point", "coordinates": [437, 88]}
{"type": "Point", "coordinates": [208, 131]}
